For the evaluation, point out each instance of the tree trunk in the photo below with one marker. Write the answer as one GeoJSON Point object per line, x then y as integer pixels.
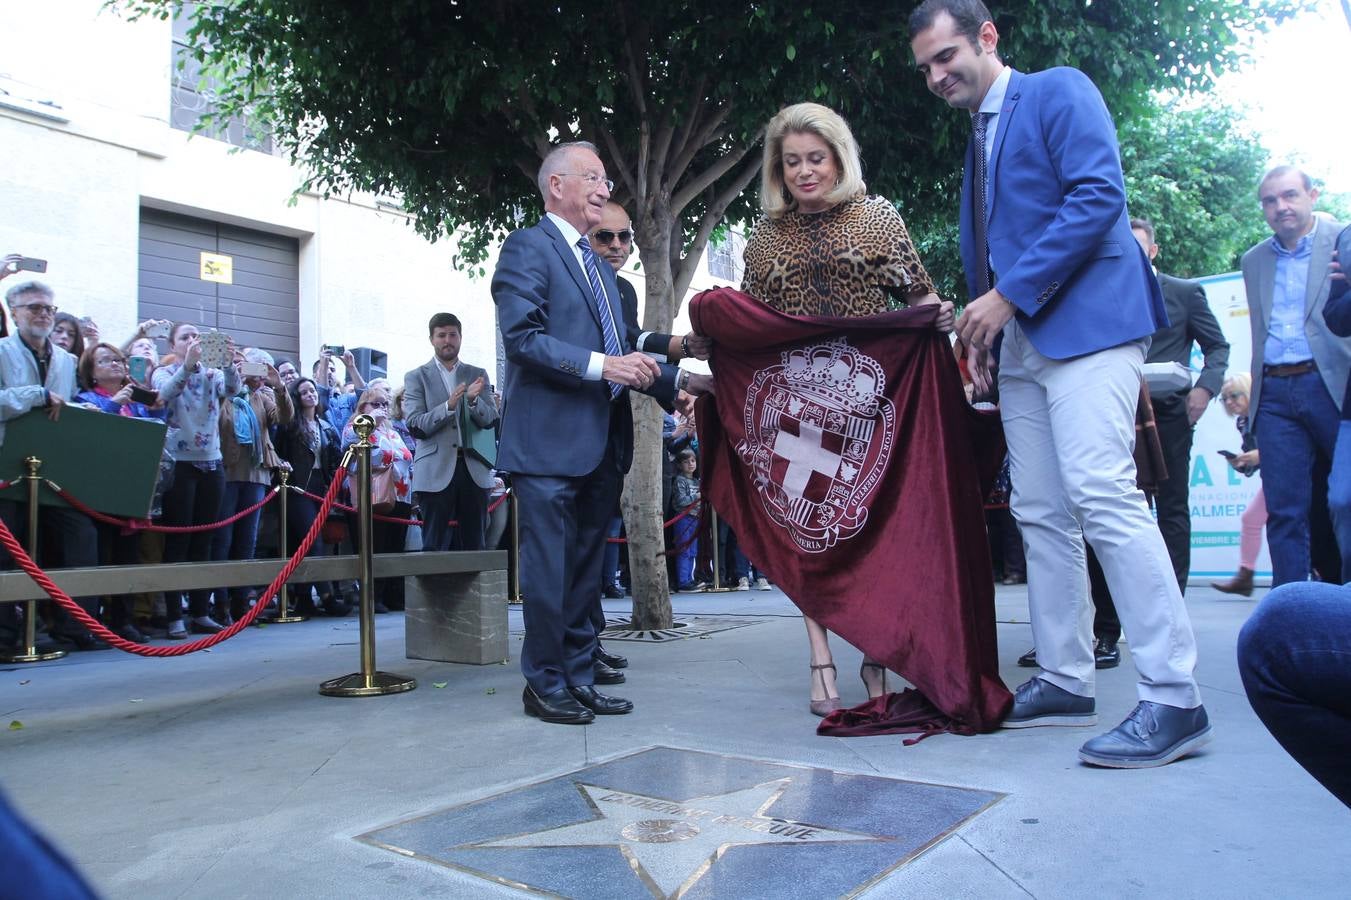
{"type": "Point", "coordinates": [643, 519]}
{"type": "Point", "coordinates": [643, 487]}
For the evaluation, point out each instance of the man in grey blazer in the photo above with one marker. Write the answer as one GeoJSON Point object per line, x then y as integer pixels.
{"type": "Point", "coordinates": [567, 431]}
{"type": "Point", "coordinates": [1299, 367]}
{"type": "Point", "coordinates": [450, 483]}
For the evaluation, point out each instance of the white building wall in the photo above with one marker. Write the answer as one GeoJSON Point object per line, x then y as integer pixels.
{"type": "Point", "coordinates": [85, 143]}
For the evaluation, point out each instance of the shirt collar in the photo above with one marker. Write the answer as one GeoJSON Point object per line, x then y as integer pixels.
{"type": "Point", "coordinates": [1303, 247]}
{"type": "Point", "coordinates": [994, 97]}
{"type": "Point", "coordinates": [570, 234]}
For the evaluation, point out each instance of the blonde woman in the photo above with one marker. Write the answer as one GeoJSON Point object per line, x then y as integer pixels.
{"type": "Point", "coordinates": [1235, 395]}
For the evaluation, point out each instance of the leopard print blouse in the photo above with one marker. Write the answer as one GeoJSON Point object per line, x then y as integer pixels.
{"type": "Point", "coordinates": [841, 262]}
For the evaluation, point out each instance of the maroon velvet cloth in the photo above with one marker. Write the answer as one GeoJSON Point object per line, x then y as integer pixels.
{"type": "Point", "coordinates": [887, 550]}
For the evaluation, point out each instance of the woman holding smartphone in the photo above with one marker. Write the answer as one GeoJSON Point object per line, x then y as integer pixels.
{"type": "Point", "coordinates": [104, 369]}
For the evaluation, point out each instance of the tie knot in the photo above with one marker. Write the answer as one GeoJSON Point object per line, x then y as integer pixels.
{"type": "Point", "coordinates": [584, 244]}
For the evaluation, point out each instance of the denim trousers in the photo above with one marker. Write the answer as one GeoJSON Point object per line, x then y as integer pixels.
{"type": "Point", "coordinates": [1294, 654]}
{"type": "Point", "coordinates": [1296, 421]}
{"type": "Point", "coordinates": [237, 541]}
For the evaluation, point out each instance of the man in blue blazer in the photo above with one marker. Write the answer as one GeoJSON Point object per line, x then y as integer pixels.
{"type": "Point", "coordinates": [1044, 216]}
{"type": "Point", "coordinates": [567, 428]}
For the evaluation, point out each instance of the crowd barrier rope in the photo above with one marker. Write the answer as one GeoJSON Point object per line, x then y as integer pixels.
{"type": "Point", "coordinates": [667, 524]}
{"type": "Point", "coordinates": [492, 508]}
{"type": "Point", "coordinates": [147, 525]}
{"type": "Point", "coordinates": [26, 562]}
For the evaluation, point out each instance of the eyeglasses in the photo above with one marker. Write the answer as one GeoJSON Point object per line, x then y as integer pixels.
{"type": "Point", "coordinates": [378, 404]}
{"type": "Point", "coordinates": [108, 361]}
{"type": "Point", "coordinates": [39, 309]}
{"type": "Point", "coordinates": [606, 237]}
{"type": "Point", "coordinates": [591, 178]}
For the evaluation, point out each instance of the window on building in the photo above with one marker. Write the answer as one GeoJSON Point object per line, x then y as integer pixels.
{"type": "Point", "coordinates": [724, 257]}
{"type": "Point", "coordinates": [192, 96]}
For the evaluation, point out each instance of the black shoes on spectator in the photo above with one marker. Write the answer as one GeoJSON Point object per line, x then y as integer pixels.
{"type": "Point", "coordinates": [1106, 655]}
{"type": "Point", "coordinates": [82, 639]}
{"type": "Point", "coordinates": [204, 625]}
{"type": "Point", "coordinates": [612, 592]}
{"type": "Point", "coordinates": [606, 674]}
{"type": "Point", "coordinates": [560, 707]}
{"type": "Point", "coordinates": [613, 660]}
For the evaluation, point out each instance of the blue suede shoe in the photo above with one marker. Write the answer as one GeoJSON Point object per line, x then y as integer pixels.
{"type": "Point", "coordinates": [1152, 735]}
{"type": "Point", "coordinates": [1038, 702]}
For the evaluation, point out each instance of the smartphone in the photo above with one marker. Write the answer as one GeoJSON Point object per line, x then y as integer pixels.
{"type": "Point", "coordinates": [253, 369]}
{"type": "Point", "coordinates": [141, 395]}
{"type": "Point", "coordinates": [333, 349]}
{"type": "Point", "coordinates": [159, 330]}
{"type": "Point", "coordinates": [138, 367]}
{"type": "Point", "coordinates": [1227, 454]}
{"type": "Point", "coordinates": [32, 264]}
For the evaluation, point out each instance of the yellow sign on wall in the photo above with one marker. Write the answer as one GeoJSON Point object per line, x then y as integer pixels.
{"type": "Point", "coordinates": [218, 267]}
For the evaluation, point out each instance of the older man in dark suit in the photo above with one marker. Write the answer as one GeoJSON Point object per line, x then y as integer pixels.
{"type": "Point", "coordinates": [567, 429]}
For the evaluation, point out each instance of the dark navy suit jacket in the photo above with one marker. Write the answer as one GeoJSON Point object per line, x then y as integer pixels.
{"type": "Point", "coordinates": [1059, 235]}
{"type": "Point", "coordinates": [554, 422]}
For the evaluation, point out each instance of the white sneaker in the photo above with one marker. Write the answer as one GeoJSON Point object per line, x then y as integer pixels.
{"type": "Point", "coordinates": [743, 584]}
{"type": "Point", "coordinates": [762, 584]}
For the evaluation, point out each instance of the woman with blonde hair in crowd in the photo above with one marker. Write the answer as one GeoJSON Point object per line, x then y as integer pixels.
{"type": "Point", "coordinates": [1235, 394]}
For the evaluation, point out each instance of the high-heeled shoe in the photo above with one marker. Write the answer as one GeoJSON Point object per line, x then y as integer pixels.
{"type": "Point", "coordinates": [828, 705]}
{"type": "Point", "coordinates": [868, 664]}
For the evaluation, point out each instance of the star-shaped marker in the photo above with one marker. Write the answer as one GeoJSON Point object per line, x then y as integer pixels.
{"type": "Point", "coordinates": [671, 844]}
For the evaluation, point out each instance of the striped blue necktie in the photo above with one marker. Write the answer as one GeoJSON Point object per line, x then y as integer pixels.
{"type": "Point", "coordinates": [607, 322]}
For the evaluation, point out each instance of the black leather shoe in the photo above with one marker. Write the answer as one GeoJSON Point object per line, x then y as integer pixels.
{"type": "Point", "coordinates": [1152, 735]}
{"type": "Point", "coordinates": [607, 674]}
{"type": "Point", "coordinates": [612, 592]}
{"type": "Point", "coordinates": [83, 640]}
{"type": "Point", "coordinates": [1106, 654]}
{"type": "Point", "coordinates": [1029, 659]}
{"type": "Point", "coordinates": [613, 660]}
{"type": "Point", "coordinates": [598, 703]}
{"type": "Point", "coordinates": [560, 707]}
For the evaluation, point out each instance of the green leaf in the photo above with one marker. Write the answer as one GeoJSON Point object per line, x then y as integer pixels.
{"type": "Point", "coordinates": [15, 725]}
{"type": "Point", "coordinates": [439, 684]}
{"type": "Point", "coordinates": [491, 691]}
{"type": "Point", "coordinates": [791, 53]}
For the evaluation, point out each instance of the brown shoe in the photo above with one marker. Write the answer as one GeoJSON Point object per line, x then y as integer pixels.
{"type": "Point", "coordinates": [826, 706]}
{"type": "Point", "coordinates": [1240, 584]}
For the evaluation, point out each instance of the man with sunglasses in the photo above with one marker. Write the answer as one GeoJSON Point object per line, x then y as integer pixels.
{"type": "Point", "coordinates": [36, 374]}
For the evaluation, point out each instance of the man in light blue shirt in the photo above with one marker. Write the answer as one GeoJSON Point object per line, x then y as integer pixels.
{"type": "Point", "coordinates": [1299, 368]}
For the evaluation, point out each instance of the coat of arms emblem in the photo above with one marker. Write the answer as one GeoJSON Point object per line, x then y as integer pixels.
{"type": "Point", "coordinates": [818, 436]}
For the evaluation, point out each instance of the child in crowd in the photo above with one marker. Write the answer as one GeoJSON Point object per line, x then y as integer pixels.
{"type": "Point", "coordinates": [687, 527]}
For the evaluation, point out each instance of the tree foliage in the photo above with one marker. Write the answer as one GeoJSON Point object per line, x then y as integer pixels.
{"type": "Point", "coordinates": [449, 104]}
{"type": "Point", "coordinates": [1193, 173]}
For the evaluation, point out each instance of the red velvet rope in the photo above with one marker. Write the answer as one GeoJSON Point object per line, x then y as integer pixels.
{"type": "Point", "coordinates": [145, 525]}
{"type": "Point", "coordinates": [667, 524]}
{"type": "Point", "coordinates": [16, 550]}
{"type": "Point", "coordinates": [492, 508]}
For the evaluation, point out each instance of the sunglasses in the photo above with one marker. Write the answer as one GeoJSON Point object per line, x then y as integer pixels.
{"type": "Point", "coordinates": [606, 236]}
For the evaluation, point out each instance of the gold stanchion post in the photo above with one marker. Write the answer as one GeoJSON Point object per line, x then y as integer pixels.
{"type": "Point", "coordinates": [717, 585]}
{"type": "Point", "coordinates": [29, 652]}
{"type": "Point", "coordinates": [514, 563]}
{"type": "Point", "coordinates": [284, 615]}
{"type": "Point", "coordinates": [368, 682]}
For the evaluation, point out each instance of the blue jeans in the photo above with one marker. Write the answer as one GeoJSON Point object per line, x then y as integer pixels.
{"type": "Point", "coordinates": [1339, 495]}
{"type": "Point", "coordinates": [237, 541]}
{"type": "Point", "coordinates": [1294, 654]}
{"type": "Point", "coordinates": [609, 569]}
{"type": "Point", "coordinates": [1297, 419]}
{"type": "Point", "coordinates": [686, 529]}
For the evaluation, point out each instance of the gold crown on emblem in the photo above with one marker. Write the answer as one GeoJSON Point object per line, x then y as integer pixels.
{"type": "Point", "coordinates": [836, 373]}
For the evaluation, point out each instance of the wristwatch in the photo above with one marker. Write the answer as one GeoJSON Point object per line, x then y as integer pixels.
{"type": "Point", "coordinates": [682, 379]}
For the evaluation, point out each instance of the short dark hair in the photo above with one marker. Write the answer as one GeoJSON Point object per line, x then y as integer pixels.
{"type": "Point", "coordinates": [967, 15]}
{"type": "Point", "coordinates": [1143, 225]}
{"type": "Point", "coordinates": [1286, 170]}
{"type": "Point", "coordinates": [443, 320]}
